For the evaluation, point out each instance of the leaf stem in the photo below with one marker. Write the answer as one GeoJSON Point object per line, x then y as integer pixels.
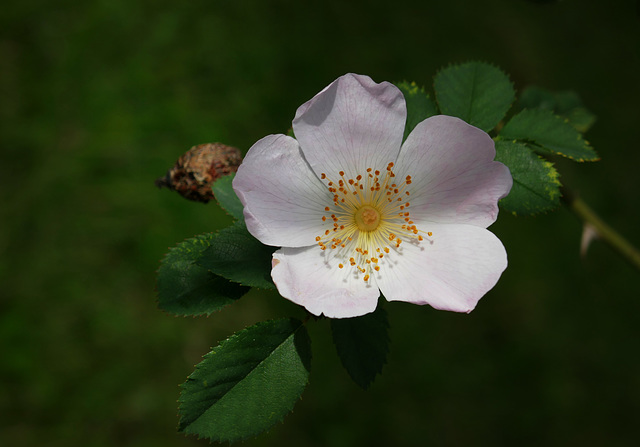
{"type": "Point", "coordinates": [615, 240]}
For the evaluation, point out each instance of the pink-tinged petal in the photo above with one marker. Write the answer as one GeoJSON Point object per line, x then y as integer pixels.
{"type": "Point", "coordinates": [451, 270]}
{"type": "Point", "coordinates": [283, 199]}
{"type": "Point", "coordinates": [454, 177]}
{"type": "Point", "coordinates": [351, 125]}
{"type": "Point", "coordinates": [311, 278]}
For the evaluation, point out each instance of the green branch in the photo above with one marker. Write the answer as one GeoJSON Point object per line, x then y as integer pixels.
{"type": "Point", "coordinates": [603, 231]}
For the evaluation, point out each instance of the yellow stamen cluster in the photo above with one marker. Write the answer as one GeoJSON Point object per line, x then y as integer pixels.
{"type": "Point", "coordinates": [369, 217]}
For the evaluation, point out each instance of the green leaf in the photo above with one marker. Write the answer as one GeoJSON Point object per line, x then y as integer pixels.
{"type": "Point", "coordinates": [581, 119]}
{"type": "Point", "coordinates": [362, 344]}
{"type": "Point", "coordinates": [419, 105]}
{"type": "Point", "coordinates": [248, 383]}
{"type": "Point", "coordinates": [185, 288]}
{"type": "Point", "coordinates": [236, 255]}
{"type": "Point", "coordinates": [534, 97]}
{"type": "Point", "coordinates": [536, 186]}
{"type": "Point", "coordinates": [476, 92]}
{"type": "Point", "coordinates": [564, 103]}
{"type": "Point", "coordinates": [226, 196]}
{"type": "Point", "coordinates": [549, 133]}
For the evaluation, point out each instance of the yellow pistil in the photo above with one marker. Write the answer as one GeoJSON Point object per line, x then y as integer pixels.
{"type": "Point", "coordinates": [368, 217]}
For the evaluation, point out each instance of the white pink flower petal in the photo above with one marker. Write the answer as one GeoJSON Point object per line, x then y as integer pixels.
{"type": "Point", "coordinates": [312, 278]}
{"type": "Point", "coordinates": [282, 197]}
{"type": "Point", "coordinates": [451, 270]}
{"type": "Point", "coordinates": [455, 179]}
{"type": "Point", "coordinates": [351, 125]}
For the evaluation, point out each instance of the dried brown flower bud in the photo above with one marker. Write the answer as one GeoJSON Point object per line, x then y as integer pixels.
{"type": "Point", "coordinates": [197, 169]}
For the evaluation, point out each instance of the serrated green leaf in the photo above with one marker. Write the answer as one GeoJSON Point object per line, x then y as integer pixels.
{"type": "Point", "coordinates": [476, 92]}
{"type": "Point", "coordinates": [236, 255]}
{"type": "Point", "coordinates": [581, 119]}
{"type": "Point", "coordinates": [549, 133]}
{"type": "Point", "coordinates": [536, 184]}
{"type": "Point", "coordinates": [419, 105]}
{"type": "Point", "coordinates": [226, 196]}
{"type": "Point", "coordinates": [184, 288]}
{"type": "Point", "coordinates": [248, 383]}
{"type": "Point", "coordinates": [564, 103]}
{"type": "Point", "coordinates": [534, 97]}
{"type": "Point", "coordinates": [362, 344]}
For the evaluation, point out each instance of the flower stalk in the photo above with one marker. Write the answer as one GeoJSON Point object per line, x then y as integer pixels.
{"type": "Point", "coordinates": [603, 231]}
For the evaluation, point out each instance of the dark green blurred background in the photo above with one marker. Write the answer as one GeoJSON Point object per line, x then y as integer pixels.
{"type": "Point", "coordinates": [100, 97]}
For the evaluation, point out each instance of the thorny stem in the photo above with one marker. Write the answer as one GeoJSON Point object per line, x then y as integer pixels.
{"type": "Point", "coordinates": [603, 231]}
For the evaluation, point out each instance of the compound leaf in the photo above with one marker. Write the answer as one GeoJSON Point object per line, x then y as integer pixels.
{"type": "Point", "coordinates": [536, 186]}
{"type": "Point", "coordinates": [419, 105]}
{"type": "Point", "coordinates": [184, 288]}
{"type": "Point", "coordinates": [548, 133]}
{"type": "Point", "coordinates": [362, 344]}
{"type": "Point", "coordinates": [226, 196]}
{"type": "Point", "coordinates": [476, 92]}
{"type": "Point", "coordinates": [248, 383]}
{"type": "Point", "coordinates": [236, 255]}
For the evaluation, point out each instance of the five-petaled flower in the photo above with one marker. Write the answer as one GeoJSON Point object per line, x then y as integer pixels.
{"type": "Point", "coordinates": [356, 211]}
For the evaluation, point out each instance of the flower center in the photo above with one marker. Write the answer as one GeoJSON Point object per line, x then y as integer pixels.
{"type": "Point", "coordinates": [369, 217]}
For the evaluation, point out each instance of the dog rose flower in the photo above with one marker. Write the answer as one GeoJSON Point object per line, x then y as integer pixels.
{"type": "Point", "coordinates": [356, 211]}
